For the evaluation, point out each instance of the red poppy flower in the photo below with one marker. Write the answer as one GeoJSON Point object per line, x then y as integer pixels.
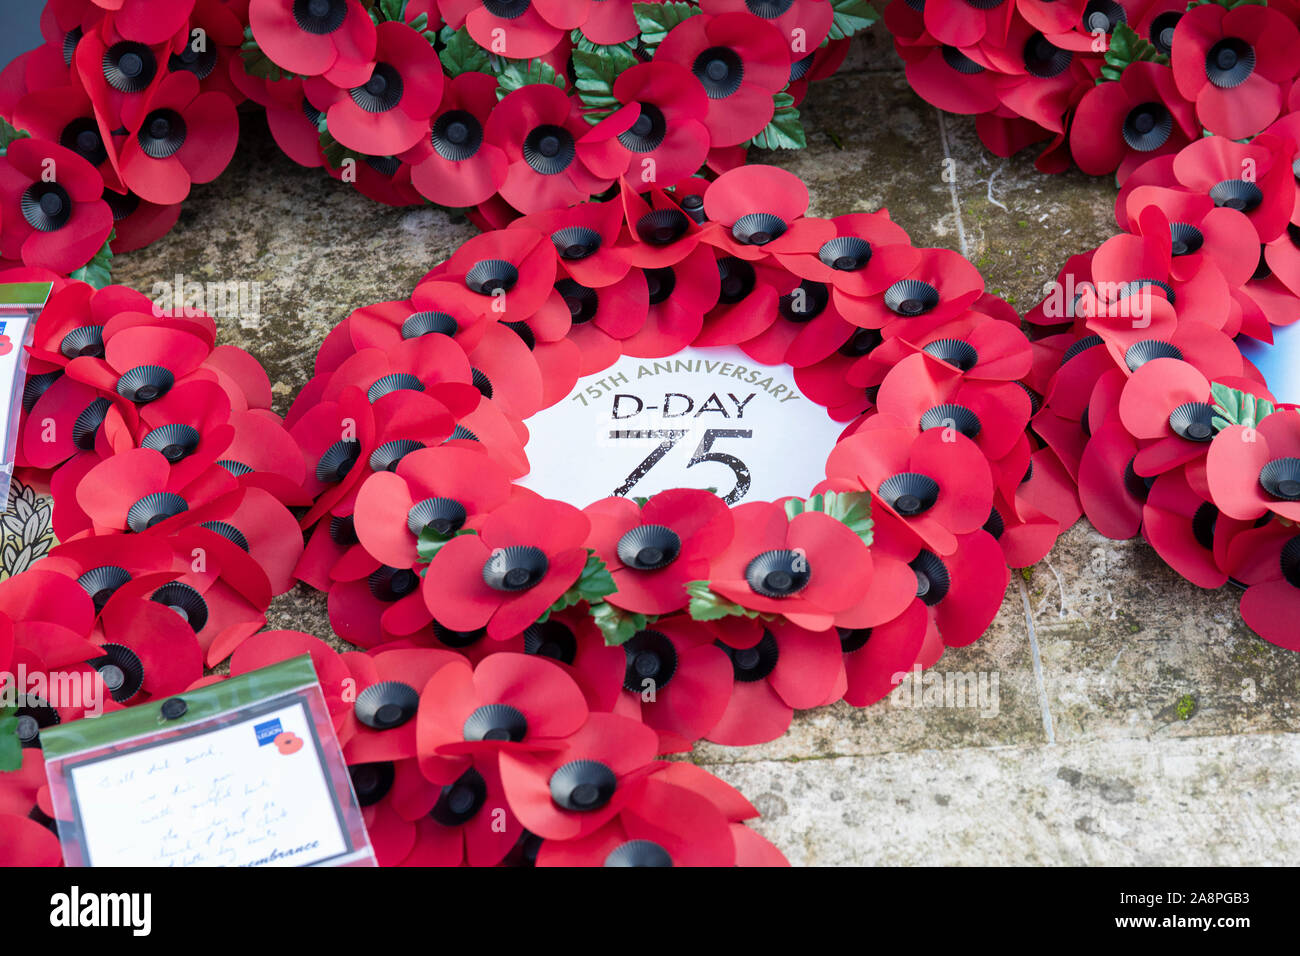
{"type": "Point", "coordinates": [141, 362]}
{"type": "Point", "coordinates": [511, 271]}
{"type": "Point", "coordinates": [383, 724]}
{"type": "Point", "coordinates": [466, 821]}
{"type": "Point", "coordinates": [936, 394]}
{"type": "Point", "coordinates": [755, 211]}
{"type": "Point", "coordinates": [963, 591]}
{"type": "Point", "coordinates": [508, 703]}
{"type": "Point", "coordinates": [654, 550]}
{"type": "Point", "coordinates": [213, 60]}
{"type": "Point", "coordinates": [602, 317]}
{"type": "Point", "coordinates": [148, 21]}
{"type": "Point", "coordinates": [118, 74]}
{"type": "Point", "coordinates": [571, 639]}
{"type": "Point", "coordinates": [772, 565]}
{"type": "Point", "coordinates": [941, 286]}
{"type": "Point", "coordinates": [748, 303]}
{"type": "Point", "coordinates": [679, 296]}
{"type": "Point", "coordinates": [65, 115]}
{"type": "Point", "coordinates": [1218, 167]}
{"type": "Point", "coordinates": [454, 164]}
{"type": "Point", "coordinates": [183, 137]}
{"type": "Point", "coordinates": [778, 668]}
{"type": "Point", "coordinates": [874, 656]}
{"type": "Point", "coordinates": [1267, 561]}
{"type": "Point", "coordinates": [520, 29]}
{"type": "Point", "coordinates": [663, 824]}
{"type": "Point", "coordinates": [1235, 65]}
{"type": "Point", "coordinates": [293, 122]}
{"type": "Point", "coordinates": [433, 489]}
{"type": "Point", "coordinates": [675, 680]}
{"type": "Point", "coordinates": [133, 491]}
{"type": "Point", "coordinates": [164, 653]}
{"type": "Point", "coordinates": [331, 38]}
{"type": "Point", "coordinates": [585, 238]}
{"type": "Point", "coordinates": [1118, 125]}
{"type": "Point", "coordinates": [527, 553]}
{"type": "Point", "coordinates": [955, 80]}
{"type": "Point", "coordinates": [51, 617]}
{"type": "Point", "coordinates": [1253, 472]}
{"type": "Point", "coordinates": [740, 61]}
{"type": "Point", "coordinates": [1185, 529]}
{"type": "Point", "coordinates": [567, 794]}
{"type": "Point", "coordinates": [957, 23]}
{"type": "Point", "coordinates": [55, 223]}
{"type": "Point", "coordinates": [1199, 230]}
{"type": "Point", "coordinates": [868, 254]}
{"type": "Point", "coordinates": [432, 366]}
{"type": "Point", "coordinates": [538, 126]}
{"type": "Point", "coordinates": [387, 112]}
{"type": "Point", "coordinates": [667, 140]}
{"type": "Point", "coordinates": [937, 480]}
{"type": "Point", "coordinates": [1167, 404]}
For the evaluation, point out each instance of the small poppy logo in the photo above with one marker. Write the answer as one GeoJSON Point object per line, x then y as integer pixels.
{"type": "Point", "coordinates": [288, 743]}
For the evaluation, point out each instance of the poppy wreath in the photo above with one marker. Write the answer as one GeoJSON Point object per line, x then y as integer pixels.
{"type": "Point", "coordinates": [507, 640]}
{"type": "Point", "coordinates": [1170, 431]}
{"type": "Point", "coordinates": [1110, 84]}
{"type": "Point", "coordinates": [497, 107]}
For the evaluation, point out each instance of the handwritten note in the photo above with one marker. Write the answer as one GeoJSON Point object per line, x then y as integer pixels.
{"type": "Point", "coordinates": [251, 793]}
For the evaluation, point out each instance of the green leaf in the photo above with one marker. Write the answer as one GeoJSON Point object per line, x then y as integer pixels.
{"type": "Point", "coordinates": [1233, 407]}
{"type": "Point", "coordinates": [596, 74]}
{"type": "Point", "coordinates": [429, 542]}
{"type": "Point", "coordinates": [617, 625]}
{"type": "Point", "coordinates": [707, 606]}
{"type": "Point", "coordinates": [785, 131]}
{"type": "Point", "coordinates": [850, 508]}
{"type": "Point", "coordinates": [581, 42]}
{"type": "Point", "coordinates": [594, 584]}
{"type": "Point", "coordinates": [654, 20]}
{"type": "Point", "coordinates": [851, 16]}
{"type": "Point", "coordinates": [257, 63]}
{"type": "Point", "coordinates": [334, 151]}
{"type": "Point", "coordinates": [388, 10]}
{"type": "Point", "coordinates": [460, 54]}
{"type": "Point", "coordinates": [11, 749]}
{"type": "Point", "coordinates": [10, 133]}
{"type": "Point", "coordinates": [518, 73]}
{"type": "Point", "coordinates": [640, 501]}
{"type": "Point", "coordinates": [97, 272]}
{"type": "Point", "coordinates": [1126, 47]}
{"type": "Point", "coordinates": [1229, 4]}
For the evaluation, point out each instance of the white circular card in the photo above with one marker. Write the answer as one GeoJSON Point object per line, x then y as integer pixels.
{"type": "Point", "coordinates": [702, 418]}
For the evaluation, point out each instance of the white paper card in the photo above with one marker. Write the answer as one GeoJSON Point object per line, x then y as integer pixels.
{"type": "Point", "coordinates": [702, 418]}
{"type": "Point", "coordinates": [250, 793]}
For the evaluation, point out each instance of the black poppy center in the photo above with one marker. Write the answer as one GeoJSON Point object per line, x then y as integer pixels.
{"type": "Point", "coordinates": [1103, 15]}
{"type": "Point", "coordinates": [129, 67]}
{"type": "Point", "coordinates": [845, 253]}
{"type": "Point", "coordinates": [552, 639]}
{"type": "Point", "coordinates": [648, 132]}
{"type": "Point", "coordinates": [495, 722]}
{"type": "Point", "coordinates": [382, 92]}
{"type": "Point", "coordinates": [660, 284]}
{"type": "Point", "coordinates": [1147, 127]}
{"type": "Point", "coordinates": [779, 573]}
{"type": "Point", "coordinates": [319, 16]}
{"type": "Point", "coordinates": [47, 207]}
{"type": "Point", "coordinates": [442, 516]}
{"type": "Point", "coordinates": [1237, 194]}
{"type": "Point", "coordinates": [583, 785]}
{"type": "Point", "coordinates": [506, 9]}
{"type": "Point", "coordinates": [456, 135]}
{"type": "Point", "coordinates": [650, 656]}
{"type": "Point", "coordinates": [1229, 63]}
{"type": "Point", "coordinates": [911, 297]}
{"type": "Point", "coordinates": [1185, 239]}
{"type": "Point", "coordinates": [909, 493]}
{"type": "Point", "coordinates": [82, 137]}
{"type": "Point", "coordinates": [1162, 30]}
{"type": "Point", "coordinates": [515, 568]}
{"type": "Point", "coordinates": [649, 547]}
{"type": "Point", "coordinates": [549, 149]}
{"type": "Point", "coordinates": [461, 800]}
{"type": "Point", "coordinates": [932, 577]}
{"type": "Point", "coordinates": [491, 277]}
{"type": "Point", "coordinates": [1281, 478]}
{"type": "Point", "coordinates": [737, 279]}
{"type": "Point", "coordinates": [1193, 421]}
{"type": "Point", "coordinates": [720, 70]}
{"type": "Point", "coordinates": [751, 664]}
{"type": "Point", "coordinates": [1291, 561]}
